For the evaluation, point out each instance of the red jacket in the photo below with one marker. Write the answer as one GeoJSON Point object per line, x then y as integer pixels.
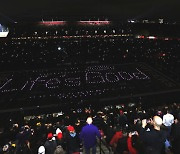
{"type": "Point", "coordinates": [115, 138]}
{"type": "Point", "coordinates": [130, 147]}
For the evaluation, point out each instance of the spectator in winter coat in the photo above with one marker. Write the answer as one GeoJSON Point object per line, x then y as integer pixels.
{"type": "Point", "coordinates": [72, 140]}
{"type": "Point", "coordinates": [131, 148]}
{"type": "Point", "coordinates": [88, 135]}
{"type": "Point", "coordinates": [50, 144]}
{"type": "Point", "coordinates": [122, 147]}
{"type": "Point", "coordinates": [116, 137]}
{"type": "Point", "coordinates": [153, 140]}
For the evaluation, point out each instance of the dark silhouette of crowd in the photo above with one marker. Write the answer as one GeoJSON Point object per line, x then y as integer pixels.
{"type": "Point", "coordinates": [123, 129]}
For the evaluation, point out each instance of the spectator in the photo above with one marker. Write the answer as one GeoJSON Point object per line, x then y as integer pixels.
{"type": "Point", "coordinates": [59, 150]}
{"type": "Point", "coordinates": [88, 135]}
{"type": "Point", "coordinates": [50, 144]}
{"type": "Point", "coordinates": [132, 142]}
{"type": "Point", "coordinates": [59, 136]}
{"type": "Point", "coordinates": [122, 147]}
{"type": "Point", "coordinates": [23, 144]}
{"type": "Point", "coordinates": [73, 142]}
{"type": "Point", "coordinates": [109, 132]}
{"type": "Point", "coordinates": [122, 119]}
{"type": "Point", "coordinates": [168, 120]}
{"type": "Point", "coordinates": [153, 140]}
{"type": "Point", "coordinates": [175, 133]}
{"type": "Point", "coordinates": [116, 137]}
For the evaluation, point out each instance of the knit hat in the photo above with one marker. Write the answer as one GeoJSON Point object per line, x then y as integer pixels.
{"type": "Point", "coordinates": [70, 128]}
{"type": "Point", "coordinates": [50, 136]}
{"type": "Point", "coordinates": [5, 148]}
{"type": "Point", "coordinates": [59, 135]}
{"type": "Point", "coordinates": [41, 150]}
{"type": "Point", "coordinates": [58, 131]}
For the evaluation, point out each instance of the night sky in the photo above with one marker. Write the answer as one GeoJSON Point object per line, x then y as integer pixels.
{"type": "Point", "coordinates": [125, 9]}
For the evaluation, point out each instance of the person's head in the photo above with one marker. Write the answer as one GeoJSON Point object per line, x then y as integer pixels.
{"type": "Point", "coordinates": [157, 122]}
{"type": "Point", "coordinates": [121, 112]}
{"type": "Point", "coordinates": [59, 150]}
{"type": "Point", "coordinates": [89, 120]}
{"type": "Point", "coordinates": [167, 111]}
{"type": "Point", "coordinates": [49, 136]}
{"type": "Point", "coordinates": [70, 128]}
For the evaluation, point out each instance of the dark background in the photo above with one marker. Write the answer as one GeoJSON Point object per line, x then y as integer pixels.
{"type": "Point", "coordinates": [123, 9]}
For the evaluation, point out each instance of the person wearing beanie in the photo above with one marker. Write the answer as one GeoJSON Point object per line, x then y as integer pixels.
{"type": "Point", "coordinates": [59, 136]}
{"type": "Point", "coordinates": [88, 135]}
{"type": "Point", "coordinates": [72, 140]}
{"type": "Point", "coordinates": [50, 144]}
{"type": "Point", "coordinates": [70, 128]}
{"type": "Point", "coordinates": [122, 119]}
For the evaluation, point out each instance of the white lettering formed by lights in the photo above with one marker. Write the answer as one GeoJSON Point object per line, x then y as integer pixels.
{"type": "Point", "coordinates": [53, 83]}
{"type": "Point", "coordinates": [125, 76]}
{"type": "Point", "coordinates": [94, 77]}
{"type": "Point", "coordinates": [56, 80]}
{"type": "Point", "coordinates": [111, 74]}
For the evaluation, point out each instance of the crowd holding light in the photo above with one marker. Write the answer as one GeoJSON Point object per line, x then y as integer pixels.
{"type": "Point", "coordinates": [39, 87]}
{"type": "Point", "coordinates": [90, 50]}
{"type": "Point", "coordinates": [29, 53]}
{"type": "Point", "coordinates": [81, 81]}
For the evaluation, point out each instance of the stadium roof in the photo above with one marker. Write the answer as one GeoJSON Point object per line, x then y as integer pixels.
{"type": "Point", "coordinates": [123, 9]}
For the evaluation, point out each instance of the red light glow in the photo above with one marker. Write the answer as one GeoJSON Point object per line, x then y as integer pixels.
{"type": "Point", "coordinates": [52, 23]}
{"type": "Point", "coordinates": [94, 23]}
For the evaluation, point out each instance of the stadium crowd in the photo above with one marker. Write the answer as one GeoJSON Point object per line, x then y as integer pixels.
{"type": "Point", "coordinates": [122, 128]}
{"type": "Point", "coordinates": [43, 53]}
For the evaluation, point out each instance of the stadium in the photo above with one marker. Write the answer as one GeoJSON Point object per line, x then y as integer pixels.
{"type": "Point", "coordinates": [56, 71]}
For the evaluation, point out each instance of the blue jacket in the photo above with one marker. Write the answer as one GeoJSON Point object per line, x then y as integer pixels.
{"type": "Point", "coordinates": [88, 135]}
